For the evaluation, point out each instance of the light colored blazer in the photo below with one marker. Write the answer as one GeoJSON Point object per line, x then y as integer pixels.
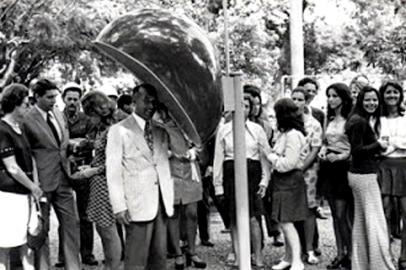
{"type": "Point", "coordinates": [52, 163]}
{"type": "Point", "coordinates": [135, 176]}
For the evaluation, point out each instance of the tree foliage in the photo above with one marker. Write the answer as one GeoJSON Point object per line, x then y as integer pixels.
{"type": "Point", "coordinates": [38, 36]}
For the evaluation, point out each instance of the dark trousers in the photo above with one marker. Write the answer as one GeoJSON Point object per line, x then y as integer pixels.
{"type": "Point", "coordinates": [203, 209]}
{"type": "Point", "coordinates": [145, 246]}
{"type": "Point", "coordinates": [63, 202]}
{"type": "Point", "coordinates": [86, 227]}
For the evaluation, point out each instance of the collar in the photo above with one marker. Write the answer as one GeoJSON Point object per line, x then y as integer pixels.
{"type": "Point", "coordinates": [140, 121]}
{"type": "Point", "coordinates": [249, 126]}
{"type": "Point", "coordinates": [44, 113]}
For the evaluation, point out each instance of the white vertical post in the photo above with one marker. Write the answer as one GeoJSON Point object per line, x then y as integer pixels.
{"type": "Point", "coordinates": [241, 182]}
{"type": "Point", "coordinates": [296, 41]}
{"type": "Point", "coordinates": [240, 162]}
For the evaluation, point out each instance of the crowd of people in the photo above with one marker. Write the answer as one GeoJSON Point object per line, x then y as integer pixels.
{"type": "Point", "coordinates": [121, 165]}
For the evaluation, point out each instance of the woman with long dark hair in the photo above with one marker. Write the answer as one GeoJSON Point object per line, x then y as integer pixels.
{"type": "Point", "coordinates": [289, 203]}
{"type": "Point", "coordinates": [334, 164]}
{"type": "Point", "coordinates": [392, 169]}
{"type": "Point", "coordinates": [370, 241]}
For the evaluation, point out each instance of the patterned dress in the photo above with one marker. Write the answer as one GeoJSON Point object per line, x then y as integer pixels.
{"type": "Point", "coordinates": [99, 208]}
{"type": "Point", "coordinates": [314, 139]}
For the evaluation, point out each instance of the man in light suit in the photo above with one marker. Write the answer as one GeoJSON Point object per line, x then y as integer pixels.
{"type": "Point", "coordinates": [139, 182]}
{"type": "Point", "coordinates": [48, 137]}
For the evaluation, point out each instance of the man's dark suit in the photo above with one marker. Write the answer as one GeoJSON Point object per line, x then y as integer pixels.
{"type": "Point", "coordinates": [53, 172]}
{"type": "Point", "coordinates": [319, 115]}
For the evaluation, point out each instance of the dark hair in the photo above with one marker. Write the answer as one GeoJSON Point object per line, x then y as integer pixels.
{"type": "Point", "coordinates": [13, 95]}
{"type": "Point", "coordinates": [72, 89]}
{"type": "Point", "coordinates": [359, 107]}
{"type": "Point", "coordinates": [343, 91]}
{"type": "Point", "coordinates": [42, 86]}
{"type": "Point", "coordinates": [382, 90]}
{"type": "Point", "coordinates": [307, 80]}
{"type": "Point", "coordinates": [123, 100]}
{"type": "Point", "coordinates": [288, 116]}
{"type": "Point", "coordinates": [149, 88]}
{"type": "Point", "coordinates": [254, 92]}
{"type": "Point", "coordinates": [250, 103]}
{"type": "Point", "coordinates": [300, 89]}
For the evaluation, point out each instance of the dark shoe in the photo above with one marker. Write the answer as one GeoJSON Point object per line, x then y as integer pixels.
{"type": "Point", "coordinates": [339, 263]}
{"type": "Point", "coordinates": [207, 243]}
{"type": "Point", "coordinates": [90, 261]}
{"type": "Point", "coordinates": [277, 241]}
{"type": "Point", "coordinates": [59, 264]}
{"type": "Point", "coordinates": [193, 259]}
{"type": "Point", "coordinates": [402, 265]}
{"type": "Point", "coordinates": [317, 252]}
{"type": "Point", "coordinates": [179, 262]}
{"type": "Point", "coordinates": [318, 211]}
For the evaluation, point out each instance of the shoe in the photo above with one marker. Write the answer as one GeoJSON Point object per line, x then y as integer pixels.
{"type": "Point", "coordinates": [339, 263]}
{"type": "Point", "coordinates": [193, 259]}
{"type": "Point", "coordinates": [277, 241]}
{"type": "Point", "coordinates": [90, 261]}
{"type": "Point", "coordinates": [207, 243]}
{"type": "Point", "coordinates": [59, 264]}
{"type": "Point", "coordinates": [179, 262]}
{"type": "Point", "coordinates": [317, 252]}
{"type": "Point", "coordinates": [311, 258]}
{"type": "Point", "coordinates": [281, 265]}
{"type": "Point", "coordinates": [318, 211]}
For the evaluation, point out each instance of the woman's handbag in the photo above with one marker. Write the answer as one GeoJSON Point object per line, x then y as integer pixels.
{"type": "Point", "coordinates": [36, 233]}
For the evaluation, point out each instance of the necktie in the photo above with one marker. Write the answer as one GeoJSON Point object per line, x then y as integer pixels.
{"type": "Point", "coordinates": [53, 128]}
{"type": "Point", "coordinates": [148, 136]}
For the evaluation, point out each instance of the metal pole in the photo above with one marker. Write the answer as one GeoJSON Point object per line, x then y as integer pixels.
{"type": "Point", "coordinates": [296, 41]}
{"type": "Point", "coordinates": [226, 48]}
{"type": "Point", "coordinates": [241, 182]}
{"type": "Point", "coordinates": [240, 163]}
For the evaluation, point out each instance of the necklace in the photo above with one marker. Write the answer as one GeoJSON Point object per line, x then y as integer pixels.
{"type": "Point", "coordinates": [13, 124]}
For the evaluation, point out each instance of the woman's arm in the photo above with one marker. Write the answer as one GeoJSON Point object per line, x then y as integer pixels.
{"type": "Point", "coordinates": [291, 157]}
{"type": "Point", "coordinates": [19, 175]}
{"type": "Point", "coordinates": [355, 132]}
{"type": "Point", "coordinates": [218, 163]}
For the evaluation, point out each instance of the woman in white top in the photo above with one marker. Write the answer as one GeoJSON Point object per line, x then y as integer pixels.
{"type": "Point", "coordinates": [258, 177]}
{"type": "Point", "coordinates": [392, 169]}
{"type": "Point", "coordinates": [314, 136]}
{"type": "Point", "coordinates": [289, 202]}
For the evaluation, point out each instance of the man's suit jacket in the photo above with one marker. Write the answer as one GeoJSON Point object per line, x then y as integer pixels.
{"type": "Point", "coordinates": [52, 163]}
{"type": "Point", "coordinates": [135, 176]}
{"type": "Point", "coordinates": [319, 115]}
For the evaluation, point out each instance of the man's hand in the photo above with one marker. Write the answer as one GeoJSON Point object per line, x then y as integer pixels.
{"type": "Point", "coordinates": [123, 217]}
